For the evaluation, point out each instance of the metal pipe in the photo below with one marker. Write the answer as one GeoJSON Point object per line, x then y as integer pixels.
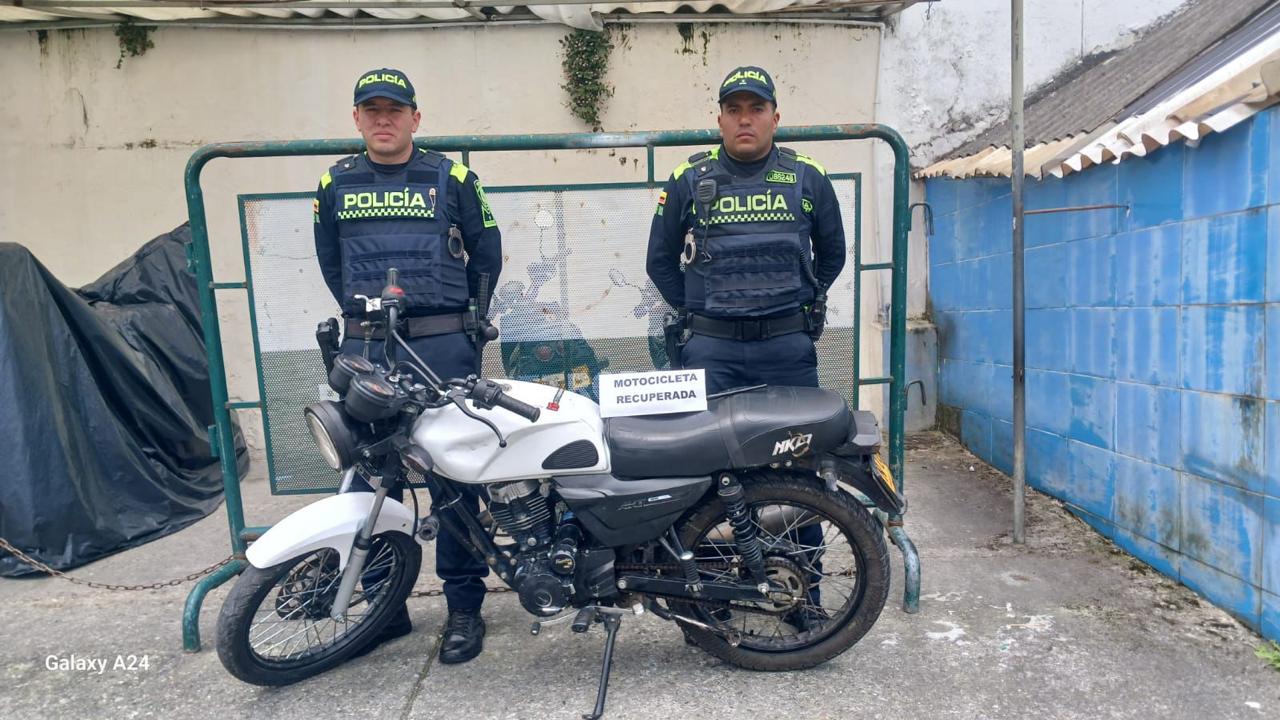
{"type": "Point", "coordinates": [191, 611]}
{"type": "Point", "coordinates": [372, 23]}
{"type": "Point", "coordinates": [911, 566]}
{"type": "Point", "coordinates": [326, 4]}
{"type": "Point", "coordinates": [1075, 208]}
{"type": "Point", "coordinates": [1019, 310]}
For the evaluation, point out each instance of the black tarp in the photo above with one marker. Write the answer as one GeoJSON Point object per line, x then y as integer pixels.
{"type": "Point", "coordinates": [104, 407]}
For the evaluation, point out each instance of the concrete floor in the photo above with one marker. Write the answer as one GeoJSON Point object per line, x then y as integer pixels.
{"type": "Point", "coordinates": [1067, 626]}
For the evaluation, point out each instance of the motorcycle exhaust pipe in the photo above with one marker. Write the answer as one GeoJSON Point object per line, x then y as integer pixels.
{"type": "Point", "coordinates": [774, 520]}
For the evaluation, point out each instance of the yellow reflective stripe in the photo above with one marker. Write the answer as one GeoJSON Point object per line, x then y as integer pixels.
{"type": "Point", "coordinates": [325, 180]}
{"type": "Point", "coordinates": [385, 212]}
{"type": "Point", "coordinates": [459, 171]}
{"type": "Point", "coordinates": [810, 161]}
{"type": "Point", "coordinates": [752, 217]}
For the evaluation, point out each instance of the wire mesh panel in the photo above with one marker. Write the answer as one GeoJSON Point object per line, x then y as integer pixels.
{"type": "Point", "coordinates": [573, 300]}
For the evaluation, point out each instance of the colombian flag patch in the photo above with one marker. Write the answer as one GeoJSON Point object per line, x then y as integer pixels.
{"type": "Point", "coordinates": [662, 198]}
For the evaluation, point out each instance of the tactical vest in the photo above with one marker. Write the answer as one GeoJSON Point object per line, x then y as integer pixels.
{"type": "Point", "coordinates": [750, 248]}
{"type": "Point", "coordinates": [398, 222]}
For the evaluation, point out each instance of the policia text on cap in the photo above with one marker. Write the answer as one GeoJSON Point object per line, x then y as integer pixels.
{"type": "Point", "coordinates": [427, 216]}
{"type": "Point", "coordinates": [745, 240]}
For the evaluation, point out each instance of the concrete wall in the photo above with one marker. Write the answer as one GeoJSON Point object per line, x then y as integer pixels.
{"type": "Point", "coordinates": [1153, 352]}
{"type": "Point", "coordinates": [92, 157]}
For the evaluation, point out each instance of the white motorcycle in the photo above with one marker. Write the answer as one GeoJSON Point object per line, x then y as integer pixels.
{"type": "Point", "coordinates": [746, 524]}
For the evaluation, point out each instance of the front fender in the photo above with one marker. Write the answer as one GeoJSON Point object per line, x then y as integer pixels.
{"type": "Point", "coordinates": [332, 522]}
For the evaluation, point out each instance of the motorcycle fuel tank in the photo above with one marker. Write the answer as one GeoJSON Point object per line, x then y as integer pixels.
{"type": "Point", "coordinates": [567, 439]}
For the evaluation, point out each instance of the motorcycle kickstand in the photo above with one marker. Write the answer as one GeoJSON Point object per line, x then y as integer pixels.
{"type": "Point", "coordinates": [611, 623]}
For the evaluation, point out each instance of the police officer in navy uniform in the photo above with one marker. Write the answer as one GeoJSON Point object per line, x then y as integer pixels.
{"type": "Point", "coordinates": [426, 215]}
{"type": "Point", "coordinates": [746, 239]}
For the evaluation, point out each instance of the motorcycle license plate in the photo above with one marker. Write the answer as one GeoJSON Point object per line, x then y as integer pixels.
{"type": "Point", "coordinates": [881, 469]}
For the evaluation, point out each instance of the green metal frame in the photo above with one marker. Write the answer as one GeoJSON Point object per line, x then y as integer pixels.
{"type": "Point", "coordinates": [244, 198]}
{"type": "Point", "coordinates": [200, 264]}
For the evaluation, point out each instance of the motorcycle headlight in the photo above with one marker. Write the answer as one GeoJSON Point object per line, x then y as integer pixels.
{"type": "Point", "coordinates": [332, 432]}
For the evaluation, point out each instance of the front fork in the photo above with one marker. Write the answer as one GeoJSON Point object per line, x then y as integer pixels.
{"type": "Point", "coordinates": [360, 548]}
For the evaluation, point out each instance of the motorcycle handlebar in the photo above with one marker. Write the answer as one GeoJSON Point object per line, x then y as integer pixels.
{"type": "Point", "coordinates": [488, 394]}
{"type": "Point", "coordinates": [523, 409]}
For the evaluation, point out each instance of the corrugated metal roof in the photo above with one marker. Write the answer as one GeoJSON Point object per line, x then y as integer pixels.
{"type": "Point", "coordinates": [1096, 90]}
{"type": "Point", "coordinates": [1225, 71]}
{"type": "Point", "coordinates": [576, 13]}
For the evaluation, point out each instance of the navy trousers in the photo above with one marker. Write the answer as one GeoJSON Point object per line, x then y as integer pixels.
{"type": "Point", "coordinates": [449, 356]}
{"type": "Point", "coordinates": [789, 359]}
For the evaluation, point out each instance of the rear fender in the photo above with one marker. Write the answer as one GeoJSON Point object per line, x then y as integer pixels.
{"type": "Point", "coordinates": [869, 475]}
{"type": "Point", "coordinates": [332, 522]}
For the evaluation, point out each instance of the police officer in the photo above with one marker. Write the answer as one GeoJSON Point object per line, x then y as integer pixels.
{"type": "Point", "coordinates": [745, 241]}
{"type": "Point", "coordinates": [415, 210]}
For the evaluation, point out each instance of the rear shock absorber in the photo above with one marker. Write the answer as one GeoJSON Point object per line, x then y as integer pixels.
{"type": "Point", "coordinates": [744, 530]}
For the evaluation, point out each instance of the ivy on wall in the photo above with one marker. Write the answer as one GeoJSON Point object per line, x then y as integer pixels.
{"type": "Point", "coordinates": [586, 60]}
{"type": "Point", "coordinates": [134, 39]}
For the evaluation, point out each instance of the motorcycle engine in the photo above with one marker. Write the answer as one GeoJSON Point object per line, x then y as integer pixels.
{"type": "Point", "coordinates": [523, 512]}
{"type": "Point", "coordinates": [542, 591]}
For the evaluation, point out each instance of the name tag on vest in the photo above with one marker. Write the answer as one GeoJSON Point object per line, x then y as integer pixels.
{"type": "Point", "coordinates": [652, 393]}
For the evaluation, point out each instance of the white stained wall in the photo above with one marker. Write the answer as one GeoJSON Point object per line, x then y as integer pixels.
{"type": "Point", "coordinates": [92, 157]}
{"type": "Point", "coordinates": [945, 66]}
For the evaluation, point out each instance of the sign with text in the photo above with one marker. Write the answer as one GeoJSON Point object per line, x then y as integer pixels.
{"type": "Point", "coordinates": [652, 393]}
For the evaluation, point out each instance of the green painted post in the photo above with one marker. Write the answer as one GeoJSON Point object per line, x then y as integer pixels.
{"type": "Point", "coordinates": [191, 613]}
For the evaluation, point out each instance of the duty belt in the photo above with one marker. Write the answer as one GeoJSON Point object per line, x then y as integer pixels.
{"type": "Point", "coordinates": [750, 329]}
{"type": "Point", "coordinates": [413, 327]}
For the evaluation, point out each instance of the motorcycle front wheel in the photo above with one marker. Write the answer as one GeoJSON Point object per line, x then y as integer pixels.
{"type": "Point", "coordinates": [824, 548]}
{"type": "Point", "coordinates": [275, 628]}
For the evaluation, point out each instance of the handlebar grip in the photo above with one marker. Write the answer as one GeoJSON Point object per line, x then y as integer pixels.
{"type": "Point", "coordinates": [523, 409]}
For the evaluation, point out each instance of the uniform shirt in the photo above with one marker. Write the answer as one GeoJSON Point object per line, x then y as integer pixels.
{"type": "Point", "coordinates": [674, 217]}
{"type": "Point", "coordinates": [466, 206]}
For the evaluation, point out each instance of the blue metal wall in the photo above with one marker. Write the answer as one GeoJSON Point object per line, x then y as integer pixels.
{"type": "Point", "coordinates": [1153, 352]}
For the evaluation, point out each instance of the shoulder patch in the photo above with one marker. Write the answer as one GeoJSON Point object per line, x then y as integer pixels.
{"type": "Point", "coordinates": [486, 213]}
{"type": "Point", "coordinates": [326, 179]}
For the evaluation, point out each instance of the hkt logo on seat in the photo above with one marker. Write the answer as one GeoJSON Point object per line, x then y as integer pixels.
{"type": "Point", "coordinates": [385, 199]}
{"type": "Point", "coordinates": [796, 445]}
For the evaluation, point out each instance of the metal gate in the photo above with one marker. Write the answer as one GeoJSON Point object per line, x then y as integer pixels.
{"type": "Point", "coordinates": [573, 300]}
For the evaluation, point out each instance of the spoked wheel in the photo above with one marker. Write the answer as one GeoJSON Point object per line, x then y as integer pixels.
{"type": "Point", "coordinates": [825, 559]}
{"type": "Point", "coordinates": [275, 628]}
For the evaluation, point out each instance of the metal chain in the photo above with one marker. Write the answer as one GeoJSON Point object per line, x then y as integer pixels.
{"type": "Point", "coordinates": [437, 592]}
{"type": "Point", "coordinates": [6, 545]}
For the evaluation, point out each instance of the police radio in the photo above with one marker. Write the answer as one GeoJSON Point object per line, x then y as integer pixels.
{"type": "Point", "coordinates": [705, 194]}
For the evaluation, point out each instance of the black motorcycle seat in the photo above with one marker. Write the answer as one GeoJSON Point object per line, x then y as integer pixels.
{"type": "Point", "coordinates": [748, 429]}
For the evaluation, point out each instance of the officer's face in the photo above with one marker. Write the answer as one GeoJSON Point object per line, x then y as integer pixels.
{"type": "Point", "coordinates": [387, 128]}
{"type": "Point", "coordinates": [747, 124]}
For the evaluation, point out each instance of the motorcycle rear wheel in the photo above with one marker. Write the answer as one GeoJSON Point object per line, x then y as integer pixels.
{"type": "Point", "coordinates": [853, 577]}
{"type": "Point", "coordinates": [274, 628]}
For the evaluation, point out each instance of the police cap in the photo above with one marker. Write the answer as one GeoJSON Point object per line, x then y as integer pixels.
{"type": "Point", "coordinates": [387, 83]}
{"type": "Point", "coordinates": [748, 79]}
